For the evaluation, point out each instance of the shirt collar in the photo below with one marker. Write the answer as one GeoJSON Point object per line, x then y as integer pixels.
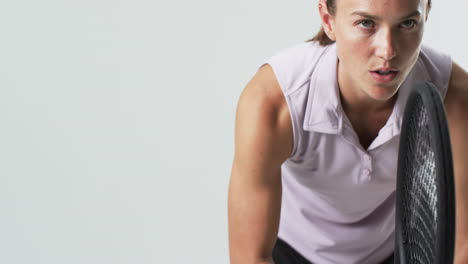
{"type": "Point", "coordinates": [323, 105]}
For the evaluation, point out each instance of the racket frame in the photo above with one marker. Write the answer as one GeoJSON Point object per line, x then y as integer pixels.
{"type": "Point", "coordinates": [438, 126]}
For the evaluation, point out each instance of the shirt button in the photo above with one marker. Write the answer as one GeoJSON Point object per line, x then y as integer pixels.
{"type": "Point", "coordinates": [366, 173]}
{"type": "Point", "coordinates": [367, 157]}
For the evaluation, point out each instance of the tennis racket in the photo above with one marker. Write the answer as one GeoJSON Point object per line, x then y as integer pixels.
{"type": "Point", "coordinates": [425, 203]}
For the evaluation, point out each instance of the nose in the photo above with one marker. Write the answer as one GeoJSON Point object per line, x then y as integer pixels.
{"type": "Point", "coordinates": [385, 45]}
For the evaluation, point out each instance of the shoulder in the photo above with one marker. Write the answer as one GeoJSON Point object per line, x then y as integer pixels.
{"type": "Point", "coordinates": [456, 101]}
{"type": "Point", "coordinates": [429, 52]}
{"type": "Point", "coordinates": [457, 94]}
{"type": "Point", "coordinates": [435, 61]}
{"type": "Point", "coordinates": [293, 66]}
{"type": "Point", "coordinates": [435, 66]}
{"type": "Point", "coordinates": [262, 115]}
{"type": "Point", "coordinates": [301, 52]}
{"type": "Point", "coordinates": [264, 89]}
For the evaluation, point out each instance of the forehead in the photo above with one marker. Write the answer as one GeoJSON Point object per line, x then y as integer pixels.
{"type": "Point", "coordinates": [381, 7]}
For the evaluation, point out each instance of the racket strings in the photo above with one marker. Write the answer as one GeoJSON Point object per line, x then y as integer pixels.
{"type": "Point", "coordinates": [420, 216]}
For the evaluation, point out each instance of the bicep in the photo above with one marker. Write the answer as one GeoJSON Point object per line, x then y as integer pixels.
{"type": "Point", "coordinates": [456, 104]}
{"type": "Point", "coordinates": [263, 131]}
{"type": "Point", "coordinates": [262, 143]}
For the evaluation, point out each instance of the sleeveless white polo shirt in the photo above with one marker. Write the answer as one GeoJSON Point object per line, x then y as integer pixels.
{"type": "Point", "coordinates": [338, 202]}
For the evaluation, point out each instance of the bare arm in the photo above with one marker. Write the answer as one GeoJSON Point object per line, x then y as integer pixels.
{"type": "Point", "coordinates": [456, 104]}
{"type": "Point", "coordinates": [263, 141]}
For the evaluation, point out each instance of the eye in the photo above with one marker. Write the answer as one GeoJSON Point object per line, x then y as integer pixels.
{"type": "Point", "coordinates": [366, 24]}
{"type": "Point", "coordinates": [409, 24]}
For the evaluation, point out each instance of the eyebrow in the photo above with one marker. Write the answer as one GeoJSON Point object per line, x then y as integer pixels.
{"type": "Point", "coordinates": [367, 15]}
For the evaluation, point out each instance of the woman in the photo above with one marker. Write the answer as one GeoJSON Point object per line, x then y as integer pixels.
{"type": "Point", "coordinates": [317, 133]}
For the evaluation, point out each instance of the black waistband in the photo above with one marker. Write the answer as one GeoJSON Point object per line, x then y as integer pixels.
{"type": "Point", "coordinates": [283, 253]}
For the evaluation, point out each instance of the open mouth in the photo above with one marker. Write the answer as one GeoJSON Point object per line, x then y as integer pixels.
{"type": "Point", "coordinates": [385, 72]}
{"type": "Point", "coordinates": [384, 76]}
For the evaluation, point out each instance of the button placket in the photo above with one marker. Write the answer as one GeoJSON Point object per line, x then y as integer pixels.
{"type": "Point", "coordinates": [367, 167]}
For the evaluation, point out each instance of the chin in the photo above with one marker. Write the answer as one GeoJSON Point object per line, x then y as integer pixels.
{"type": "Point", "coordinates": [380, 93]}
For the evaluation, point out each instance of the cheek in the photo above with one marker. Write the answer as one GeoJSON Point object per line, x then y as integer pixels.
{"type": "Point", "coordinates": [411, 42]}
{"type": "Point", "coordinates": [410, 50]}
{"type": "Point", "coordinates": [354, 50]}
{"type": "Point", "coordinates": [413, 47]}
{"type": "Point", "coordinates": [357, 54]}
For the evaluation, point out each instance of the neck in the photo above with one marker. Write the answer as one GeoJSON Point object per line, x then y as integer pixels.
{"type": "Point", "coordinates": [364, 104]}
{"type": "Point", "coordinates": [355, 100]}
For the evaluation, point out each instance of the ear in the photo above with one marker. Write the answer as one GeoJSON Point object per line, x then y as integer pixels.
{"type": "Point", "coordinates": [327, 20]}
{"type": "Point", "coordinates": [427, 15]}
{"type": "Point", "coordinates": [428, 9]}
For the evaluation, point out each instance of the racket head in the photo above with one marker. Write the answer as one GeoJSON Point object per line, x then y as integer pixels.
{"type": "Point", "coordinates": [425, 203]}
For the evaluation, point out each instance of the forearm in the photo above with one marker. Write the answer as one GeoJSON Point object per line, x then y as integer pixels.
{"type": "Point", "coordinates": [457, 111]}
{"type": "Point", "coordinates": [253, 221]}
{"type": "Point", "coordinates": [264, 140]}
{"type": "Point", "coordinates": [461, 252]}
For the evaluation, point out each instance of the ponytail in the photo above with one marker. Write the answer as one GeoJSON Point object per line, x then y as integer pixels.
{"type": "Point", "coordinates": [322, 38]}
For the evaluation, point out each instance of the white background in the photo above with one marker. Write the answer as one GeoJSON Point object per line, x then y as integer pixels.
{"type": "Point", "coordinates": [117, 120]}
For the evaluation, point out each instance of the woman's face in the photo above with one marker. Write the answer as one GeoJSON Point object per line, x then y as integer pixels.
{"type": "Point", "coordinates": [377, 35]}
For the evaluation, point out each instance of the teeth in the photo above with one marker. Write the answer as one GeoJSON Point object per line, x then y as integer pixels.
{"type": "Point", "coordinates": [384, 73]}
